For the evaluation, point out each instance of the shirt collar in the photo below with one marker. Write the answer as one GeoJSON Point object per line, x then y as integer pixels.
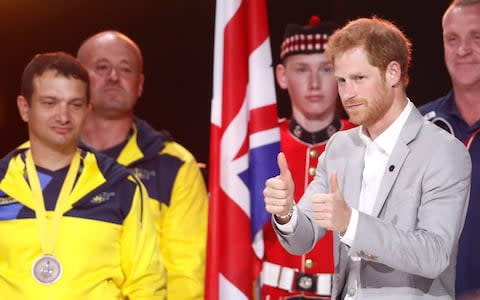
{"type": "Point", "coordinates": [449, 107]}
{"type": "Point", "coordinates": [388, 138]}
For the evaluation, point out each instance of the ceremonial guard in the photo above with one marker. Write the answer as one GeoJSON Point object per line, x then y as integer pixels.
{"type": "Point", "coordinates": [307, 74]}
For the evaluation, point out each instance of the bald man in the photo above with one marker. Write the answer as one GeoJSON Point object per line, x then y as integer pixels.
{"type": "Point", "coordinates": [458, 112]}
{"type": "Point", "coordinates": [168, 170]}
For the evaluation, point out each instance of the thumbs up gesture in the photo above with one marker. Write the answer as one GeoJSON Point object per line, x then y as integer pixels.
{"type": "Point", "coordinates": [330, 211]}
{"type": "Point", "coordinates": [278, 190]}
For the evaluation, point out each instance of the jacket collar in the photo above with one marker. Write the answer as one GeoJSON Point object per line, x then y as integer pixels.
{"type": "Point", "coordinates": [316, 137]}
{"type": "Point", "coordinates": [143, 143]}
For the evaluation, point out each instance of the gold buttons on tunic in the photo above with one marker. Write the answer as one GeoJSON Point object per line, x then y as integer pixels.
{"type": "Point", "coordinates": [311, 171]}
{"type": "Point", "coordinates": [313, 153]}
{"type": "Point", "coordinates": [308, 263]}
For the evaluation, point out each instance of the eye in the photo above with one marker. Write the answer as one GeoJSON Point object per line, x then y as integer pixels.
{"type": "Point", "coordinates": [125, 70]}
{"type": "Point", "coordinates": [300, 69]}
{"type": "Point", "coordinates": [359, 78]}
{"type": "Point", "coordinates": [103, 69]}
{"type": "Point", "coordinates": [327, 69]}
{"type": "Point", "coordinates": [77, 104]}
{"type": "Point", "coordinates": [48, 102]}
{"type": "Point", "coordinates": [451, 39]}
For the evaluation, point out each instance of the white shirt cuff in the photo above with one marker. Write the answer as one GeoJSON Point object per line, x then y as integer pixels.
{"type": "Point", "coordinates": [290, 226]}
{"type": "Point", "coordinates": [349, 235]}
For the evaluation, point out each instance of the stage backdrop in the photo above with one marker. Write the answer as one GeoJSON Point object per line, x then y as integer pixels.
{"type": "Point", "coordinates": [177, 42]}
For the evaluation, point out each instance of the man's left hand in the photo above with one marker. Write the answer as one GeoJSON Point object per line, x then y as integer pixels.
{"type": "Point", "coordinates": [330, 211]}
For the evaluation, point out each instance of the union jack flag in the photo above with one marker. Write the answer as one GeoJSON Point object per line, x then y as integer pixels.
{"type": "Point", "coordinates": [244, 143]}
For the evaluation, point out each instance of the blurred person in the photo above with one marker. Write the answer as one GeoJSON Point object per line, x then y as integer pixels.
{"type": "Point", "coordinates": [458, 112]}
{"type": "Point", "coordinates": [168, 171]}
{"type": "Point", "coordinates": [307, 74]}
{"type": "Point", "coordinates": [74, 225]}
{"type": "Point", "coordinates": [395, 189]}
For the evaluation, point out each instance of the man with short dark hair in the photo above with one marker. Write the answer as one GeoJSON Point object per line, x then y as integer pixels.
{"type": "Point", "coordinates": [74, 225]}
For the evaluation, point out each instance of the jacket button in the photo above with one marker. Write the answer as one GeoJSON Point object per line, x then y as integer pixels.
{"type": "Point", "coordinates": [311, 171]}
{"type": "Point", "coordinates": [308, 263]}
{"type": "Point", "coordinates": [313, 153]}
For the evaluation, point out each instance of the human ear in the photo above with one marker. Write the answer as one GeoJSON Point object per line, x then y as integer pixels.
{"type": "Point", "coordinates": [281, 76]}
{"type": "Point", "coordinates": [23, 108]}
{"type": "Point", "coordinates": [393, 73]}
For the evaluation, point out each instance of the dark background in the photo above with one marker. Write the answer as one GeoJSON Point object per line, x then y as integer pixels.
{"type": "Point", "coordinates": [177, 42]}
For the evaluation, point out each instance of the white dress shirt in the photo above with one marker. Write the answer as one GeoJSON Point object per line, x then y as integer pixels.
{"type": "Point", "coordinates": [377, 154]}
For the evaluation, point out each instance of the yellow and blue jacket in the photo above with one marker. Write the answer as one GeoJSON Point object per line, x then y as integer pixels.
{"type": "Point", "coordinates": [179, 205]}
{"type": "Point", "coordinates": [104, 243]}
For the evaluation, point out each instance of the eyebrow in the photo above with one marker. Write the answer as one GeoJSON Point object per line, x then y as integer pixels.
{"type": "Point", "coordinates": [47, 96]}
{"type": "Point", "coordinates": [122, 61]}
{"type": "Point", "coordinates": [51, 97]}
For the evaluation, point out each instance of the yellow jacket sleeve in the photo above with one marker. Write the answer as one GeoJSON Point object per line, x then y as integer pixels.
{"type": "Point", "coordinates": [145, 276]}
{"type": "Point", "coordinates": [182, 228]}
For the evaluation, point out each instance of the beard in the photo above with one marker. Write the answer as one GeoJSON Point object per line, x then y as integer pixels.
{"type": "Point", "coordinates": [369, 110]}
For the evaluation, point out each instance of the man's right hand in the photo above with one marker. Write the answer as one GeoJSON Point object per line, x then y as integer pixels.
{"type": "Point", "coordinates": [278, 190]}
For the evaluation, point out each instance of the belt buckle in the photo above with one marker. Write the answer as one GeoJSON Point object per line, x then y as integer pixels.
{"type": "Point", "coordinates": [306, 282]}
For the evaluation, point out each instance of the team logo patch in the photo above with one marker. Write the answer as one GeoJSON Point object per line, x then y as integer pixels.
{"type": "Point", "coordinates": [5, 200]}
{"type": "Point", "coordinates": [143, 174]}
{"type": "Point", "coordinates": [100, 198]}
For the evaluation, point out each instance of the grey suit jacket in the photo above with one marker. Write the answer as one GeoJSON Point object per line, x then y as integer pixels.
{"type": "Point", "coordinates": [408, 245]}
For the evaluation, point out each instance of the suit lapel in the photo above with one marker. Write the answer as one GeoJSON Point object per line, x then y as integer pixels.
{"type": "Point", "coordinates": [352, 183]}
{"type": "Point", "coordinates": [397, 158]}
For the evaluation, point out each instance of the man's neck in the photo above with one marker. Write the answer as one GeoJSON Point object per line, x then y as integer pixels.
{"type": "Point", "coordinates": [51, 159]}
{"type": "Point", "coordinates": [468, 103]}
{"type": "Point", "coordinates": [314, 125]}
{"type": "Point", "coordinates": [101, 133]}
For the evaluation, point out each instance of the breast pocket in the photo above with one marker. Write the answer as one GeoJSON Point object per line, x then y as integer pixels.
{"type": "Point", "coordinates": [401, 208]}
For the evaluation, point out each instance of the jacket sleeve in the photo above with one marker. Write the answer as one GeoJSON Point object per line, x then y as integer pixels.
{"type": "Point", "coordinates": [182, 228]}
{"type": "Point", "coordinates": [144, 271]}
{"type": "Point", "coordinates": [306, 234]}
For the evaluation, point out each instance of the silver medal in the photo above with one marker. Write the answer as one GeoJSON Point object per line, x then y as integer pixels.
{"type": "Point", "coordinates": [47, 269]}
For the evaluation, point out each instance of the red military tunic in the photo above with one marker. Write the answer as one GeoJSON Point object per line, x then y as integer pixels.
{"type": "Point", "coordinates": [302, 150]}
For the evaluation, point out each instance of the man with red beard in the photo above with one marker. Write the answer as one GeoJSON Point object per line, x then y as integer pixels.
{"type": "Point", "coordinates": [307, 74]}
{"type": "Point", "coordinates": [395, 189]}
{"type": "Point", "coordinates": [458, 112]}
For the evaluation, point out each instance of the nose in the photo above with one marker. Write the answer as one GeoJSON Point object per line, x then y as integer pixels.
{"type": "Point", "coordinates": [464, 48]}
{"type": "Point", "coordinates": [346, 90]}
{"type": "Point", "coordinates": [113, 74]}
{"type": "Point", "coordinates": [63, 114]}
{"type": "Point", "coordinates": [314, 81]}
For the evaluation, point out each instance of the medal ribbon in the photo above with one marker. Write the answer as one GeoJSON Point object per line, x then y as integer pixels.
{"type": "Point", "coordinates": [49, 229]}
